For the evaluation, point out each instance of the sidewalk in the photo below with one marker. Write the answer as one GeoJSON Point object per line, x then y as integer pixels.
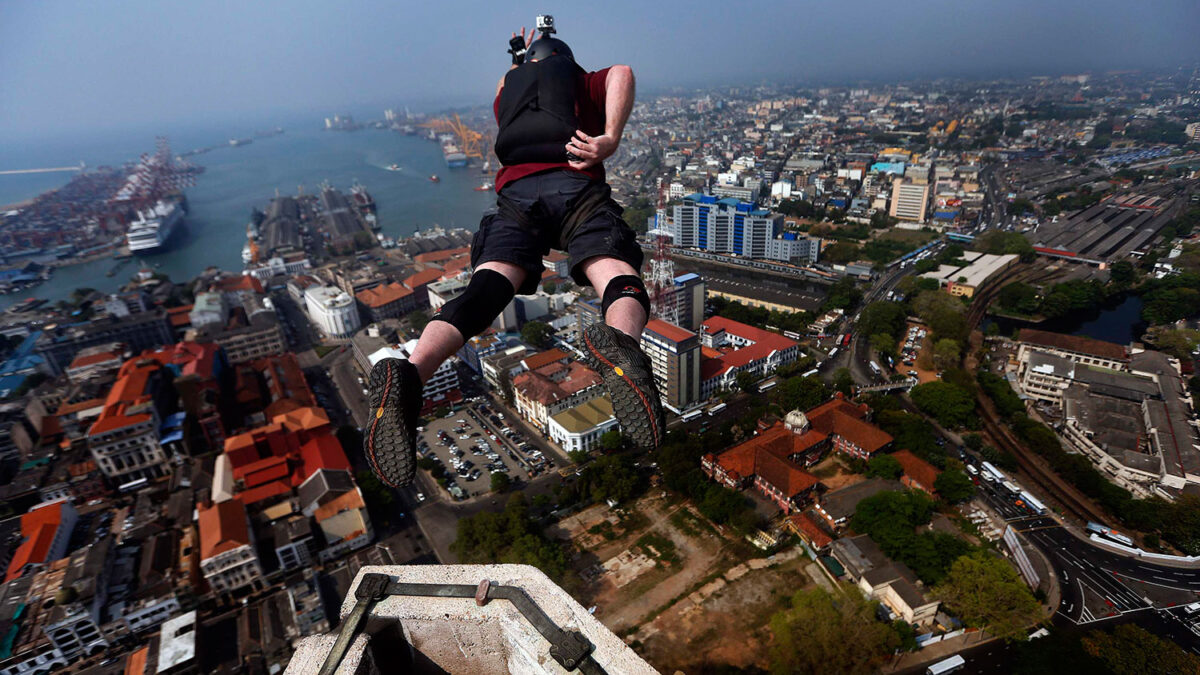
{"type": "Point", "coordinates": [938, 651]}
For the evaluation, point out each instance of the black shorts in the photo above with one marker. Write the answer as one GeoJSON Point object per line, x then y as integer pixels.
{"type": "Point", "coordinates": [545, 199]}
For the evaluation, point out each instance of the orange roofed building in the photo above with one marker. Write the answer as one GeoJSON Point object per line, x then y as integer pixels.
{"type": "Point", "coordinates": [272, 460]}
{"type": "Point", "coordinates": [775, 460]}
{"type": "Point", "coordinates": [918, 473]}
{"type": "Point", "coordinates": [45, 532]}
{"type": "Point", "coordinates": [124, 439]}
{"type": "Point", "coordinates": [227, 558]}
{"type": "Point", "coordinates": [730, 347]}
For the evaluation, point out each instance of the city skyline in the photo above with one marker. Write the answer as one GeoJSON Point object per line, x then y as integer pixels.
{"type": "Point", "coordinates": [71, 67]}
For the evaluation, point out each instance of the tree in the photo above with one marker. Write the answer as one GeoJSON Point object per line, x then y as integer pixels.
{"type": "Point", "coordinates": [746, 382]}
{"type": "Point", "coordinates": [578, 456]}
{"type": "Point", "coordinates": [537, 333]}
{"type": "Point", "coordinates": [500, 481]}
{"type": "Point", "coordinates": [843, 381]}
{"type": "Point", "coordinates": [549, 287]}
{"type": "Point", "coordinates": [986, 592]}
{"type": "Point", "coordinates": [883, 343]}
{"type": "Point", "coordinates": [950, 405]}
{"type": "Point", "coordinates": [418, 319]}
{"type": "Point", "coordinates": [1132, 650]}
{"type": "Point", "coordinates": [800, 393]}
{"type": "Point", "coordinates": [511, 536]}
{"type": "Point", "coordinates": [611, 440]}
{"type": "Point", "coordinates": [946, 354]}
{"type": "Point", "coordinates": [954, 486]}
{"type": "Point", "coordinates": [884, 466]}
{"type": "Point", "coordinates": [1018, 297]}
{"type": "Point", "coordinates": [1122, 273]}
{"type": "Point", "coordinates": [841, 252]}
{"type": "Point", "coordinates": [821, 633]}
{"type": "Point", "coordinates": [887, 318]}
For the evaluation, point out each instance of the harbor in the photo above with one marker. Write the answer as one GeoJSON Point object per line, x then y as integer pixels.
{"type": "Point", "coordinates": [237, 180]}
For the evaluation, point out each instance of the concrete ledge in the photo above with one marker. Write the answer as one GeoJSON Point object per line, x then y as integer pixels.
{"type": "Point", "coordinates": [457, 636]}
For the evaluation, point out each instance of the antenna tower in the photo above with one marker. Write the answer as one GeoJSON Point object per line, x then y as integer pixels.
{"type": "Point", "coordinates": [663, 302]}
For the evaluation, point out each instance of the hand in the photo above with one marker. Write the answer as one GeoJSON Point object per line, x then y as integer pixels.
{"type": "Point", "coordinates": [591, 150]}
{"type": "Point", "coordinates": [528, 40]}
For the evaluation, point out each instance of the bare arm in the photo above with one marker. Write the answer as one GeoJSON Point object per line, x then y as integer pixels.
{"type": "Point", "coordinates": [619, 91]}
{"type": "Point", "coordinates": [618, 103]}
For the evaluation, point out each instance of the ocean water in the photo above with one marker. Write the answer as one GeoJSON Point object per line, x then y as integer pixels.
{"type": "Point", "coordinates": [238, 179]}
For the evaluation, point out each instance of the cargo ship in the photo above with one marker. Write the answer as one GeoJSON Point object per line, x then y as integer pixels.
{"type": "Point", "coordinates": [154, 226]}
{"type": "Point", "coordinates": [362, 198]}
{"type": "Point", "coordinates": [235, 142]}
{"type": "Point", "coordinates": [454, 155]}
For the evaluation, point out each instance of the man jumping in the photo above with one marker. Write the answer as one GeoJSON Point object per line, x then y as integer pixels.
{"type": "Point", "coordinates": [557, 125]}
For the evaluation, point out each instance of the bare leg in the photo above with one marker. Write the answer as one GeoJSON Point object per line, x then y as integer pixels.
{"type": "Point", "coordinates": [625, 314]}
{"type": "Point", "coordinates": [439, 341]}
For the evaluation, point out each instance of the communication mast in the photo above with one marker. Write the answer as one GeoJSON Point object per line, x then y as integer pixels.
{"type": "Point", "coordinates": [663, 302]}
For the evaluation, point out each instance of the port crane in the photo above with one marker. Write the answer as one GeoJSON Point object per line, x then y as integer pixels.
{"type": "Point", "coordinates": [474, 145]}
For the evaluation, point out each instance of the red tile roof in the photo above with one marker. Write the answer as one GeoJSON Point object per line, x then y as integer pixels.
{"type": "Point", "coordinates": [1074, 343]}
{"type": "Point", "coordinates": [343, 502]}
{"type": "Point", "coordinates": [669, 330]}
{"type": "Point", "coordinates": [90, 359]}
{"type": "Point", "coordinates": [265, 491]}
{"type": "Point", "coordinates": [439, 256]}
{"type": "Point", "coordinates": [242, 283]}
{"type": "Point", "coordinates": [180, 317]}
{"type": "Point", "coordinates": [536, 385]}
{"type": "Point", "coordinates": [545, 358]}
{"type": "Point", "coordinates": [422, 278]}
{"type": "Point", "coordinates": [262, 471]}
{"type": "Point", "coordinates": [917, 470]}
{"type": "Point", "coordinates": [807, 527]}
{"type": "Point", "coordinates": [764, 342]}
{"type": "Point", "coordinates": [38, 527]}
{"type": "Point", "coordinates": [786, 476]}
{"type": "Point", "coordinates": [223, 527]}
{"type": "Point", "coordinates": [323, 452]}
{"type": "Point", "coordinates": [841, 417]}
{"type": "Point", "coordinates": [128, 391]}
{"type": "Point", "coordinates": [382, 295]}
{"type": "Point", "coordinates": [135, 664]}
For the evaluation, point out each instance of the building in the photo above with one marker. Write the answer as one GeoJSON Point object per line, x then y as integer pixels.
{"type": "Point", "coordinates": [675, 358]}
{"type": "Point", "coordinates": [918, 474]}
{"type": "Point", "coordinates": [251, 329]}
{"type": "Point", "coordinates": [501, 366]}
{"type": "Point", "coordinates": [690, 294]}
{"type": "Point", "coordinates": [386, 301]}
{"type": "Point", "coordinates": [441, 292]}
{"type": "Point", "coordinates": [144, 330]}
{"type": "Point", "coordinates": [332, 310]}
{"type": "Point", "coordinates": [125, 438]}
{"type": "Point", "coordinates": [909, 201]}
{"type": "Point", "coordinates": [774, 460]}
{"type": "Point", "coordinates": [723, 226]}
{"type": "Point", "coordinates": [836, 507]}
{"type": "Point", "coordinates": [581, 427]}
{"type": "Point", "coordinates": [177, 645]}
{"type": "Point", "coordinates": [208, 310]}
{"type": "Point", "coordinates": [792, 248]}
{"type": "Point", "coordinates": [966, 280]}
{"type": "Point", "coordinates": [733, 347]}
{"type": "Point", "coordinates": [45, 532]}
{"type": "Point", "coordinates": [892, 583]}
{"type": "Point", "coordinates": [227, 558]}
{"type": "Point", "coordinates": [1073, 347]}
{"type": "Point", "coordinates": [552, 388]}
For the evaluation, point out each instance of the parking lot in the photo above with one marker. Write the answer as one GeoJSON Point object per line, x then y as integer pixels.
{"type": "Point", "coordinates": [474, 442]}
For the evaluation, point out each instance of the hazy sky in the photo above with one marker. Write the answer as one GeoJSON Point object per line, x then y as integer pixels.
{"type": "Point", "coordinates": [67, 66]}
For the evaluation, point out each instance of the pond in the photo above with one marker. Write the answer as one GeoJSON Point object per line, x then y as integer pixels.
{"type": "Point", "coordinates": [1119, 321]}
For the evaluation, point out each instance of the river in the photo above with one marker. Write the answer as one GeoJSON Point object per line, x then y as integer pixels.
{"type": "Point", "coordinates": [238, 179]}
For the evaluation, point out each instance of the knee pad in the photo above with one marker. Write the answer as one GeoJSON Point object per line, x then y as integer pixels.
{"type": "Point", "coordinates": [472, 312]}
{"type": "Point", "coordinates": [625, 286]}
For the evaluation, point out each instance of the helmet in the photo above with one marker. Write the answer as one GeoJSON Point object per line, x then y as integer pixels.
{"type": "Point", "coordinates": [545, 47]}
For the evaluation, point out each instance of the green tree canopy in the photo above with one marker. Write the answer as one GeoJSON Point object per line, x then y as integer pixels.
{"type": "Point", "coordinates": [884, 466]}
{"type": "Point", "coordinates": [841, 252]}
{"type": "Point", "coordinates": [946, 354]}
{"type": "Point", "coordinates": [843, 381]}
{"type": "Point", "coordinates": [985, 591]}
{"type": "Point", "coordinates": [950, 405]}
{"type": "Point", "coordinates": [611, 440]}
{"type": "Point", "coordinates": [500, 481]}
{"type": "Point", "coordinates": [1019, 297]}
{"type": "Point", "coordinates": [800, 393]}
{"type": "Point", "coordinates": [511, 536]}
{"type": "Point", "coordinates": [954, 486]}
{"type": "Point", "coordinates": [882, 317]}
{"type": "Point", "coordinates": [821, 633]}
{"type": "Point", "coordinates": [1132, 650]}
{"type": "Point", "coordinates": [537, 333]}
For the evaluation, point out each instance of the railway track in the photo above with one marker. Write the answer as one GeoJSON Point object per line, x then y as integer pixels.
{"type": "Point", "coordinates": [1002, 437]}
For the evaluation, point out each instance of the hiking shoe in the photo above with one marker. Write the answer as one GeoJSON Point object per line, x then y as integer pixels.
{"type": "Point", "coordinates": [629, 379]}
{"type": "Point", "coordinates": [390, 443]}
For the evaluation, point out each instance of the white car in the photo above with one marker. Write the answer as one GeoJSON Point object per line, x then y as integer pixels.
{"type": "Point", "coordinates": [420, 496]}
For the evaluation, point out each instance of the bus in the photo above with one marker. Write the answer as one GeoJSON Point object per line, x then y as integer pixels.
{"type": "Point", "coordinates": [716, 409]}
{"type": "Point", "coordinates": [946, 665]}
{"type": "Point", "coordinates": [832, 353]}
{"type": "Point", "coordinates": [846, 339]}
{"type": "Point", "coordinates": [995, 473]}
{"type": "Point", "coordinates": [688, 417]}
{"type": "Point", "coordinates": [1032, 503]}
{"type": "Point", "coordinates": [767, 386]}
{"type": "Point", "coordinates": [875, 367]}
{"type": "Point", "coordinates": [809, 373]}
{"type": "Point", "coordinates": [1113, 535]}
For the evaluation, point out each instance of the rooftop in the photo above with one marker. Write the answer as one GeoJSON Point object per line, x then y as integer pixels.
{"type": "Point", "coordinates": [1074, 343]}
{"type": "Point", "coordinates": [586, 415]}
{"type": "Point", "coordinates": [223, 527]}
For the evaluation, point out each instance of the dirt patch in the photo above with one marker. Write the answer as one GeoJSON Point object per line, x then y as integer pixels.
{"type": "Point", "coordinates": [725, 623]}
{"type": "Point", "coordinates": [922, 350]}
{"type": "Point", "coordinates": [834, 474]}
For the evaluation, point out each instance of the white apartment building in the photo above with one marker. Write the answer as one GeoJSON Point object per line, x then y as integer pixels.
{"type": "Point", "coordinates": [909, 201]}
{"type": "Point", "coordinates": [581, 427]}
{"type": "Point", "coordinates": [332, 310]}
{"type": "Point", "coordinates": [723, 226]}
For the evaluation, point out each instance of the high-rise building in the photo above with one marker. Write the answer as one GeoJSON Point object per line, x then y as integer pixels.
{"type": "Point", "coordinates": [723, 226]}
{"type": "Point", "coordinates": [909, 201]}
{"type": "Point", "coordinates": [690, 292]}
{"type": "Point", "coordinates": [675, 359]}
{"type": "Point", "coordinates": [124, 439]}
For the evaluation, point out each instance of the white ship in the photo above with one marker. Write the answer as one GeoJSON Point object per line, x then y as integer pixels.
{"type": "Point", "coordinates": [154, 226]}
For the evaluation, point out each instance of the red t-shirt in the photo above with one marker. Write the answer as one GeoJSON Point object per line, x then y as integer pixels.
{"type": "Point", "coordinates": [590, 109]}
